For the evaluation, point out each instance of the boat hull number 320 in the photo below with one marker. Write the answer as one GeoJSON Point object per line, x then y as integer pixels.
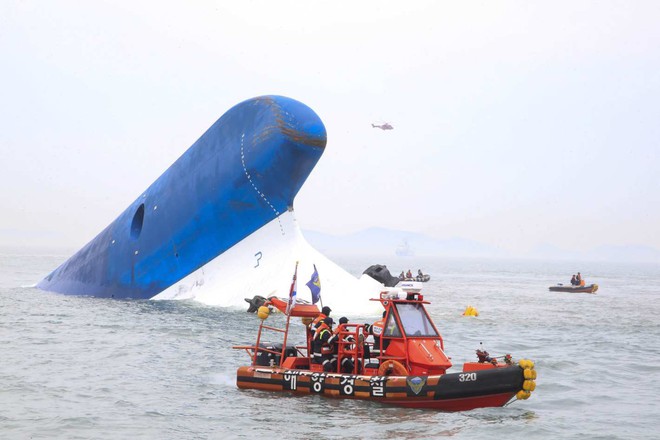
{"type": "Point", "coordinates": [467, 377]}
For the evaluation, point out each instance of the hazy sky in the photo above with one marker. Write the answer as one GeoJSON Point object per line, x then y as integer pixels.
{"type": "Point", "coordinates": [516, 123]}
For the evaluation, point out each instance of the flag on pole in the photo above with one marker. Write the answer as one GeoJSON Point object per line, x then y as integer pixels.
{"type": "Point", "coordinates": [292, 292]}
{"type": "Point", "coordinates": [315, 286]}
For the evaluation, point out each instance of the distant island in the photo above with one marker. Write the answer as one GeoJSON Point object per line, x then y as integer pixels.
{"type": "Point", "coordinates": [400, 243]}
{"type": "Point", "coordinates": [391, 242]}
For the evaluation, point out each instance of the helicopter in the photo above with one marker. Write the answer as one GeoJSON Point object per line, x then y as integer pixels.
{"type": "Point", "coordinates": [385, 126]}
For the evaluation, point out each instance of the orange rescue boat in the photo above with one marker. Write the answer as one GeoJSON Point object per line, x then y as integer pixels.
{"type": "Point", "coordinates": [411, 370]}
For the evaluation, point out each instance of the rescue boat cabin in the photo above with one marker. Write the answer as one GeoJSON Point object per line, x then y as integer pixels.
{"type": "Point", "coordinates": [409, 344]}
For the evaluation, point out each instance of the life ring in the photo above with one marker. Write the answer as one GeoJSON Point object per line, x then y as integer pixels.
{"type": "Point", "coordinates": [392, 368]}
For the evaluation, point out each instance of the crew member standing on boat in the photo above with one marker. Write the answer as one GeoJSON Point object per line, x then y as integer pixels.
{"type": "Point", "coordinates": [325, 312]}
{"type": "Point", "coordinates": [409, 274]}
{"type": "Point", "coordinates": [322, 345]}
{"type": "Point", "coordinates": [580, 281]}
{"type": "Point", "coordinates": [574, 281]}
{"type": "Point", "coordinates": [375, 330]}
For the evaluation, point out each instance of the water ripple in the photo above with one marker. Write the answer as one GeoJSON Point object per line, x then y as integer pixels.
{"type": "Point", "coordinates": [78, 367]}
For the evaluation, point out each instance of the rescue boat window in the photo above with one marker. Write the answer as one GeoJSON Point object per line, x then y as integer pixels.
{"type": "Point", "coordinates": [415, 321]}
{"type": "Point", "coordinates": [391, 327]}
{"type": "Point", "coordinates": [138, 220]}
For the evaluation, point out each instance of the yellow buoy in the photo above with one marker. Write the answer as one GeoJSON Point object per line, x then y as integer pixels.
{"type": "Point", "coordinates": [529, 385]}
{"type": "Point", "coordinates": [523, 395]}
{"type": "Point", "coordinates": [263, 312]}
{"type": "Point", "coordinates": [470, 311]}
{"type": "Point", "coordinates": [529, 374]}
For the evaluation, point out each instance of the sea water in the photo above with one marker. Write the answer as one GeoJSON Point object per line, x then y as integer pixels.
{"type": "Point", "coordinates": [88, 368]}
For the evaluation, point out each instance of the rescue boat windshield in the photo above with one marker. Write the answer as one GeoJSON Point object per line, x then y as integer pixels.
{"type": "Point", "coordinates": [391, 327]}
{"type": "Point", "coordinates": [415, 321]}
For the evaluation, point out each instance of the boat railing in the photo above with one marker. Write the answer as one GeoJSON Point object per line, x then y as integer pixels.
{"type": "Point", "coordinates": [350, 344]}
{"type": "Point", "coordinates": [281, 330]}
{"type": "Point", "coordinates": [301, 350]}
{"type": "Point", "coordinates": [253, 350]}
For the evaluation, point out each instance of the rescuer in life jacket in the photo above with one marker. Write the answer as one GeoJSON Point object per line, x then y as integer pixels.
{"type": "Point", "coordinates": [325, 312]}
{"type": "Point", "coordinates": [375, 330]}
{"type": "Point", "coordinates": [323, 345]}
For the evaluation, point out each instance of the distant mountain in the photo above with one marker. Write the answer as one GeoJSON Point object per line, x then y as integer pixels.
{"type": "Point", "coordinates": [628, 253]}
{"type": "Point", "coordinates": [551, 252]}
{"type": "Point", "coordinates": [381, 241]}
{"type": "Point", "coordinates": [631, 253]}
{"type": "Point", "coordinates": [387, 241]}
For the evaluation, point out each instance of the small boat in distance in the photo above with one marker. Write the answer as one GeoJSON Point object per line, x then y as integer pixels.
{"type": "Point", "coordinates": [423, 278]}
{"type": "Point", "coordinates": [420, 277]}
{"type": "Point", "coordinates": [591, 288]}
{"type": "Point", "coordinates": [409, 371]}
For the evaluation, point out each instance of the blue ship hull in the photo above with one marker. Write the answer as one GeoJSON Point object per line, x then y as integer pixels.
{"type": "Point", "coordinates": [242, 174]}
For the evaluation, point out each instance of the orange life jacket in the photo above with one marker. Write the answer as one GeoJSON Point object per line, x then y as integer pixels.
{"type": "Point", "coordinates": [317, 331]}
{"type": "Point", "coordinates": [322, 347]}
{"type": "Point", "coordinates": [328, 348]}
{"type": "Point", "coordinates": [377, 328]}
{"type": "Point", "coordinates": [319, 318]}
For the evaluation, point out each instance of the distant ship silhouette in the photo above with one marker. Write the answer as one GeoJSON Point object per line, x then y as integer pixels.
{"type": "Point", "coordinates": [404, 250]}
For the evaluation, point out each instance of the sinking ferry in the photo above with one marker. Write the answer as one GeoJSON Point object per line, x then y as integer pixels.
{"type": "Point", "coordinates": [218, 225]}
